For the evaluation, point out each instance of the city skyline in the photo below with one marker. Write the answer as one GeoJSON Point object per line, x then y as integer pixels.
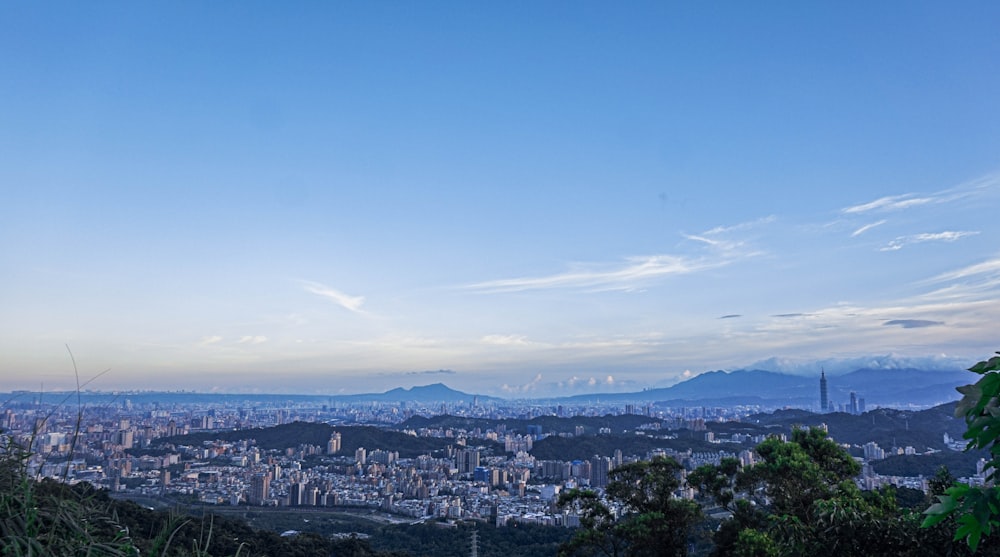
{"type": "Point", "coordinates": [514, 200]}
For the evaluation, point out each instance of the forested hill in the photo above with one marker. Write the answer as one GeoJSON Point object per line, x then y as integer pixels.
{"type": "Point", "coordinates": [305, 433]}
{"type": "Point", "coordinates": [549, 424]}
{"type": "Point", "coordinates": [923, 429]}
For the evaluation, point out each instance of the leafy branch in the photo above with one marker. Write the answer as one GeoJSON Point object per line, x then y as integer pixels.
{"type": "Point", "coordinates": [977, 508]}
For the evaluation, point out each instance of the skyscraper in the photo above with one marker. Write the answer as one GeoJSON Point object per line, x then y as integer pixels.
{"type": "Point", "coordinates": [600, 466]}
{"type": "Point", "coordinates": [467, 460]}
{"type": "Point", "coordinates": [333, 445]}
{"type": "Point", "coordinates": [824, 403]}
{"type": "Point", "coordinates": [260, 487]}
{"type": "Point", "coordinates": [296, 494]}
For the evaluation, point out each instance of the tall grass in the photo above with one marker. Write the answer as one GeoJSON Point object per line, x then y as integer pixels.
{"type": "Point", "coordinates": [45, 517]}
{"type": "Point", "coordinates": [49, 518]}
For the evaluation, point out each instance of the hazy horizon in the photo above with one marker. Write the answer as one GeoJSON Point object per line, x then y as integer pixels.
{"type": "Point", "coordinates": [543, 198]}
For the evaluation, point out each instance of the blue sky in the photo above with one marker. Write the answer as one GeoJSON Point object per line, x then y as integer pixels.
{"type": "Point", "coordinates": [519, 198]}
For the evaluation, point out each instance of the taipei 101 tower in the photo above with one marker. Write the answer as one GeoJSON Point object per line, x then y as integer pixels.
{"type": "Point", "coordinates": [823, 400]}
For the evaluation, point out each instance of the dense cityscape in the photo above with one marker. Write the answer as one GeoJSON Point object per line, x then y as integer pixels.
{"type": "Point", "coordinates": [574, 279]}
{"type": "Point", "coordinates": [207, 453]}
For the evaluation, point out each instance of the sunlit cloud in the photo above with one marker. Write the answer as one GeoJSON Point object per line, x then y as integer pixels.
{"type": "Point", "coordinates": [523, 389]}
{"type": "Point", "coordinates": [506, 340]}
{"type": "Point", "coordinates": [866, 228]}
{"type": "Point", "coordinates": [414, 374]}
{"type": "Point", "coordinates": [843, 365]}
{"type": "Point", "coordinates": [210, 340]}
{"type": "Point", "coordinates": [946, 236]}
{"type": "Point", "coordinates": [351, 303]}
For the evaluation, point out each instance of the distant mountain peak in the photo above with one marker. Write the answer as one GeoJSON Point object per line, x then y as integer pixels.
{"type": "Point", "coordinates": [434, 387]}
{"type": "Point", "coordinates": [434, 392]}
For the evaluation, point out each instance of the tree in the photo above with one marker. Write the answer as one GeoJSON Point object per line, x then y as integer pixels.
{"type": "Point", "coordinates": [801, 499]}
{"type": "Point", "coordinates": [639, 517]}
{"type": "Point", "coordinates": [797, 473]}
{"type": "Point", "coordinates": [977, 508]}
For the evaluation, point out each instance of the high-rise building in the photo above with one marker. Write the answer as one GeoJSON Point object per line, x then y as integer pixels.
{"type": "Point", "coordinates": [333, 445]}
{"type": "Point", "coordinates": [296, 494]}
{"type": "Point", "coordinates": [361, 455]}
{"type": "Point", "coordinates": [600, 466]}
{"type": "Point", "coordinates": [824, 402]}
{"type": "Point", "coordinates": [854, 403]}
{"type": "Point", "coordinates": [260, 488]}
{"type": "Point", "coordinates": [467, 460]}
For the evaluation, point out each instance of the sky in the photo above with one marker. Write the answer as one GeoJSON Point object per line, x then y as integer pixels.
{"type": "Point", "coordinates": [514, 198]}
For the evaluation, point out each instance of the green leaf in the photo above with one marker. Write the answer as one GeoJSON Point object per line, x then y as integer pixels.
{"type": "Point", "coordinates": [993, 364]}
{"type": "Point", "coordinates": [989, 385]}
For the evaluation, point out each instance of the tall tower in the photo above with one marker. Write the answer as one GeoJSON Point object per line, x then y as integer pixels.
{"type": "Point", "coordinates": [260, 487]}
{"type": "Point", "coordinates": [824, 403]}
{"type": "Point", "coordinates": [333, 445]}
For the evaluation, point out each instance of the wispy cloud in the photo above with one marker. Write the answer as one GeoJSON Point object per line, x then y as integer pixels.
{"type": "Point", "coordinates": [633, 271]}
{"type": "Point", "coordinates": [889, 203]}
{"type": "Point", "coordinates": [432, 372]}
{"type": "Point", "coordinates": [722, 241]}
{"type": "Point", "coordinates": [714, 242]}
{"type": "Point", "coordinates": [866, 228]}
{"type": "Point", "coordinates": [986, 267]}
{"type": "Point", "coordinates": [741, 226]}
{"type": "Point", "coordinates": [731, 316]}
{"type": "Point", "coordinates": [892, 203]}
{"type": "Point", "coordinates": [621, 277]}
{"type": "Point", "coordinates": [946, 236]}
{"type": "Point", "coordinates": [912, 323]}
{"type": "Point", "coordinates": [210, 340]}
{"type": "Point", "coordinates": [249, 339]}
{"type": "Point", "coordinates": [506, 340]}
{"type": "Point", "coordinates": [351, 303]}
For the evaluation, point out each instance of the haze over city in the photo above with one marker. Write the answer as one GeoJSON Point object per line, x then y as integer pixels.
{"type": "Point", "coordinates": [513, 199]}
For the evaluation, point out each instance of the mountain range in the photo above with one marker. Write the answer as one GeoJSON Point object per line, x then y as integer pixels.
{"type": "Point", "coordinates": [878, 387]}
{"type": "Point", "coordinates": [881, 387]}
